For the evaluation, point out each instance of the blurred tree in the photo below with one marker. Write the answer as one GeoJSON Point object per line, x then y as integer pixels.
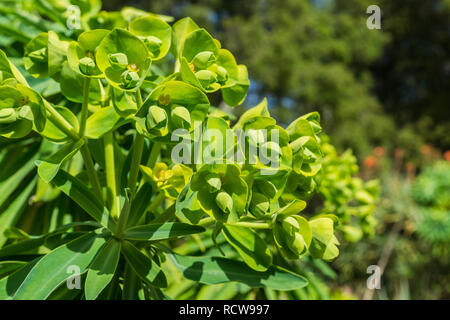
{"type": "Point", "coordinates": [412, 79]}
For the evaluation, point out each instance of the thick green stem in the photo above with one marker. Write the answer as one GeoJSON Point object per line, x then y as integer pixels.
{"type": "Point", "coordinates": [254, 225]}
{"type": "Point", "coordinates": [67, 128]}
{"type": "Point", "coordinates": [59, 122]}
{"type": "Point", "coordinates": [177, 65]}
{"type": "Point", "coordinates": [154, 154]}
{"type": "Point", "coordinates": [111, 181]}
{"type": "Point", "coordinates": [205, 222]}
{"type": "Point", "coordinates": [157, 201]}
{"type": "Point", "coordinates": [91, 171]}
{"type": "Point", "coordinates": [138, 147]}
{"type": "Point", "coordinates": [84, 106]}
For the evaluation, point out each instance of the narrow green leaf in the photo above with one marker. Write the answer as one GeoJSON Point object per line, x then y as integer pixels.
{"type": "Point", "coordinates": [79, 193]}
{"type": "Point", "coordinates": [47, 169]}
{"type": "Point", "coordinates": [9, 266]}
{"type": "Point", "coordinates": [102, 269]}
{"type": "Point", "coordinates": [51, 270]}
{"type": "Point", "coordinates": [250, 246]}
{"type": "Point", "coordinates": [161, 231]}
{"type": "Point", "coordinates": [11, 178]}
{"type": "Point", "coordinates": [139, 204]}
{"type": "Point", "coordinates": [13, 212]}
{"type": "Point", "coordinates": [104, 121]}
{"type": "Point", "coordinates": [213, 270]}
{"type": "Point", "coordinates": [131, 284]}
{"type": "Point", "coordinates": [143, 266]}
{"type": "Point", "coordinates": [10, 284]}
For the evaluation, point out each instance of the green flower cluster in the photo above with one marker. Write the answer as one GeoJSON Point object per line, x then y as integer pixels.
{"type": "Point", "coordinates": [129, 88]}
{"type": "Point", "coordinates": [345, 194]}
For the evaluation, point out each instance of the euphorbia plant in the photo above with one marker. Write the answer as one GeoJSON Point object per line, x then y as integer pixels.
{"type": "Point", "coordinates": [134, 99]}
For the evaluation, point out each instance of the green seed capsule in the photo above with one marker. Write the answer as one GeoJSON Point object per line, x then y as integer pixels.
{"type": "Point", "coordinates": [7, 116]}
{"type": "Point", "coordinates": [87, 66]}
{"type": "Point", "coordinates": [156, 118]}
{"type": "Point", "coordinates": [130, 79]}
{"type": "Point", "coordinates": [290, 225]}
{"type": "Point", "coordinates": [260, 204]}
{"type": "Point", "coordinates": [213, 181]}
{"type": "Point", "coordinates": [118, 61]}
{"type": "Point", "coordinates": [224, 201]}
{"type": "Point", "coordinates": [181, 117]}
{"type": "Point", "coordinates": [297, 245]}
{"type": "Point", "coordinates": [38, 55]}
{"type": "Point", "coordinates": [222, 74]}
{"type": "Point", "coordinates": [153, 44]}
{"type": "Point", "coordinates": [203, 60]}
{"type": "Point", "coordinates": [206, 78]}
{"type": "Point", "coordinates": [26, 113]}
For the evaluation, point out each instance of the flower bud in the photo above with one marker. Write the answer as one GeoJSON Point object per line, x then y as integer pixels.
{"type": "Point", "coordinates": [156, 118]}
{"type": "Point", "coordinates": [224, 201]}
{"type": "Point", "coordinates": [153, 44]}
{"type": "Point", "coordinates": [181, 117]}
{"type": "Point", "coordinates": [118, 61]}
{"type": "Point", "coordinates": [213, 181]}
{"type": "Point", "coordinates": [206, 78]}
{"type": "Point", "coordinates": [297, 244]}
{"type": "Point", "coordinates": [273, 149]}
{"type": "Point", "coordinates": [26, 113]}
{"type": "Point", "coordinates": [38, 55]}
{"type": "Point", "coordinates": [290, 225]}
{"type": "Point", "coordinates": [7, 116]}
{"type": "Point", "coordinates": [222, 74]}
{"type": "Point", "coordinates": [87, 65]}
{"type": "Point", "coordinates": [130, 79]}
{"type": "Point", "coordinates": [203, 60]}
{"type": "Point", "coordinates": [259, 204]}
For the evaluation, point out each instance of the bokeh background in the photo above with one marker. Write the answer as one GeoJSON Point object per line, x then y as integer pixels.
{"type": "Point", "coordinates": [384, 93]}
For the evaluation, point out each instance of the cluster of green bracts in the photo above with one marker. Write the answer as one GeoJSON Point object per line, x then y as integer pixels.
{"type": "Point", "coordinates": [111, 71]}
{"type": "Point", "coordinates": [345, 194]}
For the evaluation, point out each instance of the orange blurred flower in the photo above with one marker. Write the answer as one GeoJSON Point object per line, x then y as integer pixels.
{"type": "Point", "coordinates": [447, 155]}
{"type": "Point", "coordinates": [379, 151]}
{"type": "Point", "coordinates": [426, 149]}
{"type": "Point", "coordinates": [370, 161]}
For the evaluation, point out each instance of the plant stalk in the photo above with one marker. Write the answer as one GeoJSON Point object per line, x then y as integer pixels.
{"type": "Point", "coordinates": [67, 128]}
{"type": "Point", "coordinates": [254, 225]}
{"type": "Point", "coordinates": [111, 181]}
{"type": "Point", "coordinates": [154, 154]}
{"type": "Point", "coordinates": [84, 106]}
{"type": "Point", "coordinates": [86, 153]}
{"type": "Point", "coordinates": [138, 147]}
{"type": "Point", "coordinates": [60, 122]}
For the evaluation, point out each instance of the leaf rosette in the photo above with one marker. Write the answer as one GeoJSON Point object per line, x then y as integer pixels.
{"type": "Point", "coordinates": [204, 64]}
{"type": "Point", "coordinates": [124, 59]}
{"type": "Point", "coordinates": [45, 54]}
{"type": "Point", "coordinates": [21, 110]}
{"type": "Point", "coordinates": [221, 192]}
{"type": "Point", "coordinates": [170, 106]}
{"type": "Point", "coordinates": [155, 33]}
{"type": "Point", "coordinates": [81, 54]}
